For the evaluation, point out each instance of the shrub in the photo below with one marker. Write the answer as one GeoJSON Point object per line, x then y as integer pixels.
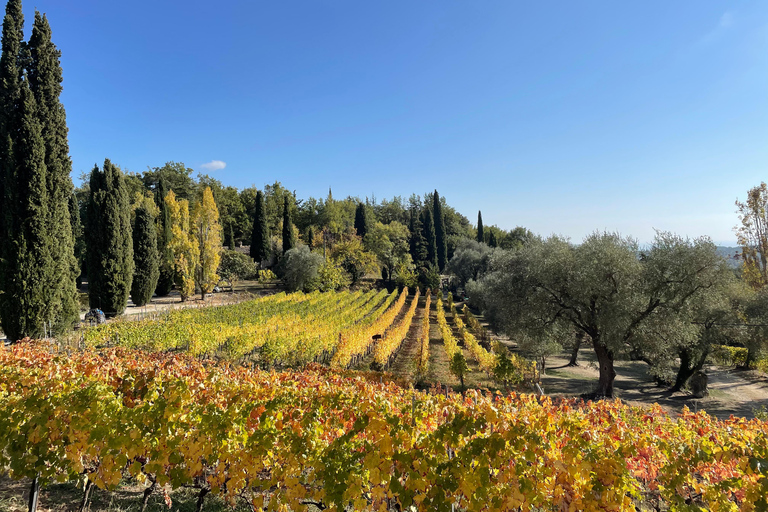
{"type": "Point", "coordinates": [301, 268]}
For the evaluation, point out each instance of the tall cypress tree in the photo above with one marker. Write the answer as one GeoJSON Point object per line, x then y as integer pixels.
{"type": "Point", "coordinates": [480, 234]}
{"type": "Point", "coordinates": [109, 241]}
{"type": "Point", "coordinates": [146, 260]}
{"type": "Point", "coordinates": [10, 95]}
{"type": "Point", "coordinates": [289, 239]}
{"type": "Point", "coordinates": [45, 78]}
{"type": "Point", "coordinates": [440, 236]}
{"type": "Point", "coordinates": [492, 240]}
{"type": "Point", "coordinates": [164, 234]}
{"type": "Point", "coordinates": [260, 234]}
{"type": "Point", "coordinates": [26, 302]}
{"type": "Point", "coordinates": [417, 245]}
{"type": "Point", "coordinates": [428, 231]}
{"type": "Point", "coordinates": [361, 220]}
{"type": "Point", "coordinates": [77, 233]}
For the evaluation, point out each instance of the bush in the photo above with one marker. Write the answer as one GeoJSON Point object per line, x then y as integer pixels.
{"type": "Point", "coordinates": [235, 266]}
{"type": "Point", "coordinates": [301, 267]}
{"type": "Point", "coordinates": [330, 277]}
{"type": "Point", "coordinates": [725, 355]}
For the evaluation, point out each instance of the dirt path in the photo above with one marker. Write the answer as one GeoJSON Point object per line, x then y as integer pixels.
{"type": "Point", "coordinates": [407, 357]}
{"type": "Point", "coordinates": [731, 391]}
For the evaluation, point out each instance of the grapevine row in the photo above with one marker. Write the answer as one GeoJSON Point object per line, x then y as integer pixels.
{"type": "Point", "coordinates": [395, 335]}
{"type": "Point", "coordinates": [423, 364]}
{"type": "Point", "coordinates": [449, 342]}
{"type": "Point", "coordinates": [346, 441]}
{"type": "Point", "coordinates": [356, 340]}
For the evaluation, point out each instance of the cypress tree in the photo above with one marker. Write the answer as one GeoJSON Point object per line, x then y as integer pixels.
{"type": "Point", "coordinates": [492, 240]}
{"type": "Point", "coordinates": [77, 233]}
{"type": "Point", "coordinates": [440, 236]}
{"type": "Point", "coordinates": [146, 260]}
{"type": "Point", "coordinates": [311, 237]}
{"type": "Point", "coordinates": [109, 241]}
{"type": "Point", "coordinates": [260, 235]}
{"type": "Point", "coordinates": [10, 95]}
{"type": "Point", "coordinates": [429, 236]}
{"type": "Point", "coordinates": [166, 277]}
{"type": "Point", "coordinates": [480, 234]}
{"type": "Point", "coordinates": [289, 239]}
{"type": "Point", "coordinates": [25, 304]}
{"type": "Point", "coordinates": [45, 78]}
{"type": "Point", "coordinates": [417, 245]}
{"type": "Point", "coordinates": [361, 220]}
{"type": "Point", "coordinates": [231, 236]}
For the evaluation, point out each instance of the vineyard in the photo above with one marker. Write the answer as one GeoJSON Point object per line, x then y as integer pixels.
{"type": "Point", "coordinates": [278, 330]}
{"type": "Point", "coordinates": [286, 440]}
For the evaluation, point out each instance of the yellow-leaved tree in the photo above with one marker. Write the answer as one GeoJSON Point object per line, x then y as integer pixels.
{"type": "Point", "coordinates": [183, 247]}
{"type": "Point", "coordinates": [206, 231]}
{"type": "Point", "coordinates": [752, 235]}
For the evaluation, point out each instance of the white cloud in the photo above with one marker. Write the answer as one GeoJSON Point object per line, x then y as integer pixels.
{"type": "Point", "coordinates": [214, 165]}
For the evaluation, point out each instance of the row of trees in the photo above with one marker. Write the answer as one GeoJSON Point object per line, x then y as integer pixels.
{"type": "Point", "coordinates": [124, 254]}
{"type": "Point", "coordinates": [37, 259]}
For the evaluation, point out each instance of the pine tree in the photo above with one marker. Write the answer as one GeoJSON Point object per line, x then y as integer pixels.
{"type": "Point", "coordinates": [440, 237]}
{"type": "Point", "coordinates": [45, 78]}
{"type": "Point", "coordinates": [145, 257]}
{"type": "Point", "coordinates": [206, 230]}
{"type": "Point", "coordinates": [185, 252]}
{"type": "Point", "coordinates": [260, 236]}
{"type": "Point", "coordinates": [428, 231]}
{"type": "Point", "coordinates": [480, 234]}
{"type": "Point", "coordinates": [361, 220]}
{"type": "Point", "coordinates": [109, 241]}
{"type": "Point", "coordinates": [165, 233]}
{"type": "Point", "coordinates": [289, 239]}
{"type": "Point", "coordinates": [492, 240]}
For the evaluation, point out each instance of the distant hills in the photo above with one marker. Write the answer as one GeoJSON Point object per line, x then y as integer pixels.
{"type": "Point", "coordinates": [732, 254]}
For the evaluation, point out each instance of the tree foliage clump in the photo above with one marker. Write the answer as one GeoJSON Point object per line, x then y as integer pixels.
{"type": "Point", "coordinates": [145, 257]}
{"type": "Point", "coordinates": [441, 237]}
{"type": "Point", "coordinates": [108, 240]}
{"type": "Point", "coordinates": [301, 267]}
{"type": "Point", "coordinates": [165, 279]}
{"type": "Point", "coordinates": [289, 237]}
{"type": "Point", "coordinates": [480, 233]}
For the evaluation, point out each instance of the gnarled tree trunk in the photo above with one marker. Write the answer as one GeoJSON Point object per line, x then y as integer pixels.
{"type": "Point", "coordinates": [575, 349]}
{"type": "Point", "coordinates": [688, 367]}
{"type": "Point", "coordinates": [607, 372]}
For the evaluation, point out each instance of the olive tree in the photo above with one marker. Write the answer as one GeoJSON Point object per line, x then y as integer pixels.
{"type": "Point", "coordinates": [604, 288]}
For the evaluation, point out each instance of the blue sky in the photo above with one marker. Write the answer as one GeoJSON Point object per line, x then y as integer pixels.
{"type": "Point", "coordinates": [564, 117]}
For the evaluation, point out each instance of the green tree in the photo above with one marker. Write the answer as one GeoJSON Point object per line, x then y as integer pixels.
{"type": "Point", "coordinates": [177, 177]}
{"type": "Point", "coordinates": [146, 259]}
{"type": "Point", "coordinates": [235, 266]}
{"type": "Point", "coordinates": [389, 242]}
{"type": "Point", "coordinates": [441, 240]}
{"type": "Point", "coordinates": [165, 233]}
{"type": "Point", "coordinates": [25, 303]}
{"type": "Point", "coordinates": [428, 232]}
{"type": "Point", "coordinates": [492, 240]}
{"type": "Point", "coordinates": [260, 236]}
{"type": "Point", "coordinates": [600, 288]}
{"type": "Point", "coordinates": [417, 244]}
{"type": "Point", "coordinates": [289, 237]}
{"type": "Point", "coordinates": [480, 234]}
{"type": "Point", "coordinates": [361, 220]}
{"type": "Point", "coordinates": [77, 233]}
{"type": "Point", "coordinates": [109, 242]}
{"type": "Point", "coordinates": [45, 77]}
